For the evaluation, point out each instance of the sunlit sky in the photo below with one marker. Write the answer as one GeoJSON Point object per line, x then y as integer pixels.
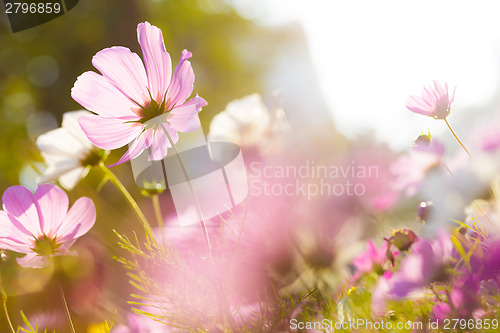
{"type": "Point", "coordinates": [370, 55]}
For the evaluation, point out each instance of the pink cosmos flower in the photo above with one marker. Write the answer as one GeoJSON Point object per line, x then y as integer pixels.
{"type": "Point", "coordinates": [435, 102]}
{"type": "Point", "coordinates": [372, 258]}
{"type": "Point", "coordinates": [40, 225]}
{"type": "Point", "coordinates": [128, 95]}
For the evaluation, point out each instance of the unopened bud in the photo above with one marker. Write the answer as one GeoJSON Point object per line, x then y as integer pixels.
{"type": "Point", "coordinates": [402, 239]}
{"type": "Point", "coordinates": [424, 210]}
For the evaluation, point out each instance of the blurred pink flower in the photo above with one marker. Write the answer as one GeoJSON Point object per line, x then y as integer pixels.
{"type": "Point", "coordinates": [381, 294]}
{"type": "Point", "coordinates": [40, 225]}
{"type": "Point", "coordinates": [127, 96]}
{"type": "Point", "coordinates": [435, 102]}
{"type": "Point", "coordinates": [464, 299]}
{"type": "Point", "coordinates": [372, 258]}
{"type": "Point", "coordinates": [141, 324]}
{"type": "Point", "coordinates": [427, 263]}
{"type": "Point", "coordinates": [411, 170]}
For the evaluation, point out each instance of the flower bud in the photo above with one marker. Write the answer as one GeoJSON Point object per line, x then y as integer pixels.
{"type": "Point", "coordinates": [424, 210]}
{"type": "Point", "coordinates": [402, 239]}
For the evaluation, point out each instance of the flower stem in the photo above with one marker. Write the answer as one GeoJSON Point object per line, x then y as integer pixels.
{"type": "Point", "coordinates": [191, 189]}
{"type": "Point", "coordinates": [112, 177]}
{"type": "Point", "coordinates": [156, 205]}
{"type": "Point", "coordinates": [219, 291]}
{"type": "Point", "coordinates": [456, 137]}
{"type": "Point", "coordinates": [66, 309]}
{"type": "Point", "coordinates": [4, 305]}
{"type": "Point", "coordinates": [159, 217]}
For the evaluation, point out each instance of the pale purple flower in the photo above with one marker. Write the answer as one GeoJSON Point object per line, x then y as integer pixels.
{"type": "Point", "coordinates": [427, 263]}
{"type": "Point", "coordinates": [381, 294]}
{"type": "Point", "coordinates": [464, 299]}
{"type": "Point", "coordinates": [127, 96]}
{"type": "Point", "coordinates": [40, 225]}
{"type": "Point", "coordinates": [435, 101]}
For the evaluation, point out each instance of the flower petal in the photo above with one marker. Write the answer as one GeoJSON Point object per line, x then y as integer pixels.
{"type": "Point", "coordinates": [96, 93]}
{"type": "Point", "coordinates": [57, 169]}
{"type": "Point", "coordinates": [184, 118]}
{"type": "Point", "coordinates": [156, 58]}
{"type": "Point", "coordinates": [81, 213]}
{"type": "Point", "coordinates": [125, 71]}
{"type": "Point", "coordinates": [20, 203]}
{"type": "Point", "coordinates": [69, 179]}
{"type": "Point", "coordinates": [181, 86]}
{"type": "Point", "coordinates": [61, 143]}
{"type": "Point", "coordinates": [109, 133]}
{"type": "Point", "coordinates": [137, 147]}
{"type": "Point", "coordinates": [160, 144]}
{"type": "Point", "coordinates": [53, 203]}
{"type": "Point", "coordinates": [11, 237]}
{"type": "Point", "coordinates": [71, 124]}
{"type": "Point", "coordinates": [32, 260]}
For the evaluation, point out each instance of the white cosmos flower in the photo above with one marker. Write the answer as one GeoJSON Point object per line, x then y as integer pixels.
{"type": "Point", "coordinates": [67, 152]}
{"type": "Point", "coordinates": [249, 123]}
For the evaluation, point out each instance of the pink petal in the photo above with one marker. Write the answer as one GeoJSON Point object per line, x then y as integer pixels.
{"type": "Point", "coordinates": [161, 143]}
{"type": "Point", "coordinates": [109, 133]}
{"type": "Point", "coordinates": [157, 60]}
{"type": "Point", "coordinates": [32, 260]}
{"type": "Point", "coordinates": [125, 71]}
{"type": "Point", "coordinates": [440, 91]}
{"type": "Point", "coordinates": [184, 118]}
{"type": "Point", "coordinates": [82, 215]}
{"type": "Point", "coordinates": [96, 93]}
{"type": "Point", "coordinates": [429, 96]}
{"type": "Point", "coordinates": [53, 204]}
{"type": "Point", "coordinates": [11, 237]}
{"type": "Point", "coordinates": [417, 105]}
{"type": "Point", "coordinates": [181, 86]}
{"type": "Point", "coordinates": [20, 203]}
{"type": "Point", "coordinates": [137, 147]}
{"type": "Point", "coordinates": [453, 95]}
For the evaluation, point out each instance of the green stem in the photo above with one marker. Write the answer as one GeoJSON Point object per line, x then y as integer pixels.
{"type": "Point", "coordinates": [159, 216]}
{"type": "Point", "coordinates": [156, 205]}
{"type": "Point", "coordinates": [66, 309]}
{"type": "Point", "coordinates": [456, 137]}
{"type": "Point", "coordinates": [112, 177]}
{"type": "Point", "coordinates": [4, 304]}
{"type": "Point", "coordinates": [191, 189]}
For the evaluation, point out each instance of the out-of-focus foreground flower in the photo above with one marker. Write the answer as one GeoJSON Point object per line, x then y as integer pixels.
{"type": "Point", "coordinates": [372, 258]}
{"type": "Point", "coordinates": [435, 101]}
{"type": "Point", "coordinates": [411, 170]}
{"type": "Point", "coordinates": [68, 152]}
{"type": "Point", "coordinates": [40, 225]}
{"type": "Point", "coordinates": [127, 96]}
